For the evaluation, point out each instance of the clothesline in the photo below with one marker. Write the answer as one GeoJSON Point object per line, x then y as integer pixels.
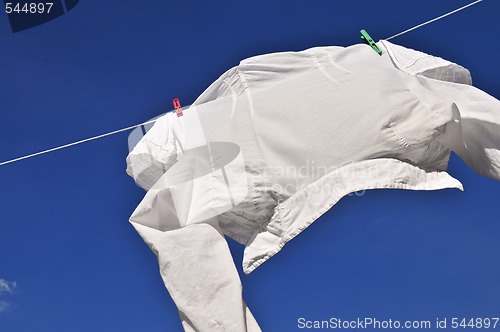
{"type": "Point", "coordinates": [434, 19]}
{"type": "Point", "coordinates": [152, 121]}
{"type": "Point", "coordinates": [77, 142]}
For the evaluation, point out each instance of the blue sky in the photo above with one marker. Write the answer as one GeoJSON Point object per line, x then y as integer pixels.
{"type": "Point", "coordinates": [69, 259]}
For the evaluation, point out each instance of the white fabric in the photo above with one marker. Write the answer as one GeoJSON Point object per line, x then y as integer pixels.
{"type": "Point", "coordinates": [276, 141]}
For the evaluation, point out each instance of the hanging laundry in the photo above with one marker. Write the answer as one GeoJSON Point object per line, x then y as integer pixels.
{"type": "Point", "coordinates": [278, 140]}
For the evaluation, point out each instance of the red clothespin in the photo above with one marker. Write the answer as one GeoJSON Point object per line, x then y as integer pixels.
{"type": "Point", "coordinates": [177, 106]}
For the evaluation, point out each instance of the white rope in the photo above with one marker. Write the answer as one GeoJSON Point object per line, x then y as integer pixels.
{"type": "Point", "coordinates": [151, 121]}
{"type": "Point", "coordinates": [434, 19]}
{"type": "Point", "coordinates": [76, 143]}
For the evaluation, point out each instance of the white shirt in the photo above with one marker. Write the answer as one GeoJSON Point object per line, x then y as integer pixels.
{"type": "Point", "coordinates": [276, 141]}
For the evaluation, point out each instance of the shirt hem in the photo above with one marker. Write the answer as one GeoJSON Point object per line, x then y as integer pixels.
{"type": "Point", "coordinates": [291, 218]}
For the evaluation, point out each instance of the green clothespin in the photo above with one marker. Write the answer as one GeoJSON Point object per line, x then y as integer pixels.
{"type": "Point", "coordinates": [367, 39]}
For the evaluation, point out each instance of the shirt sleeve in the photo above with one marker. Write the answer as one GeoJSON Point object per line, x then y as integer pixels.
{"type": "Point", "coordinates": [199, 273]}
{"type": "Point", "coordinates": [474, 132]}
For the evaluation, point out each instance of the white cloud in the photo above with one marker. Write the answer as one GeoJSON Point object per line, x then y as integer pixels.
{"type": "Point", "coordinates": [7, 286]}
{"type": "Point", "coordinates": [4, 306]}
